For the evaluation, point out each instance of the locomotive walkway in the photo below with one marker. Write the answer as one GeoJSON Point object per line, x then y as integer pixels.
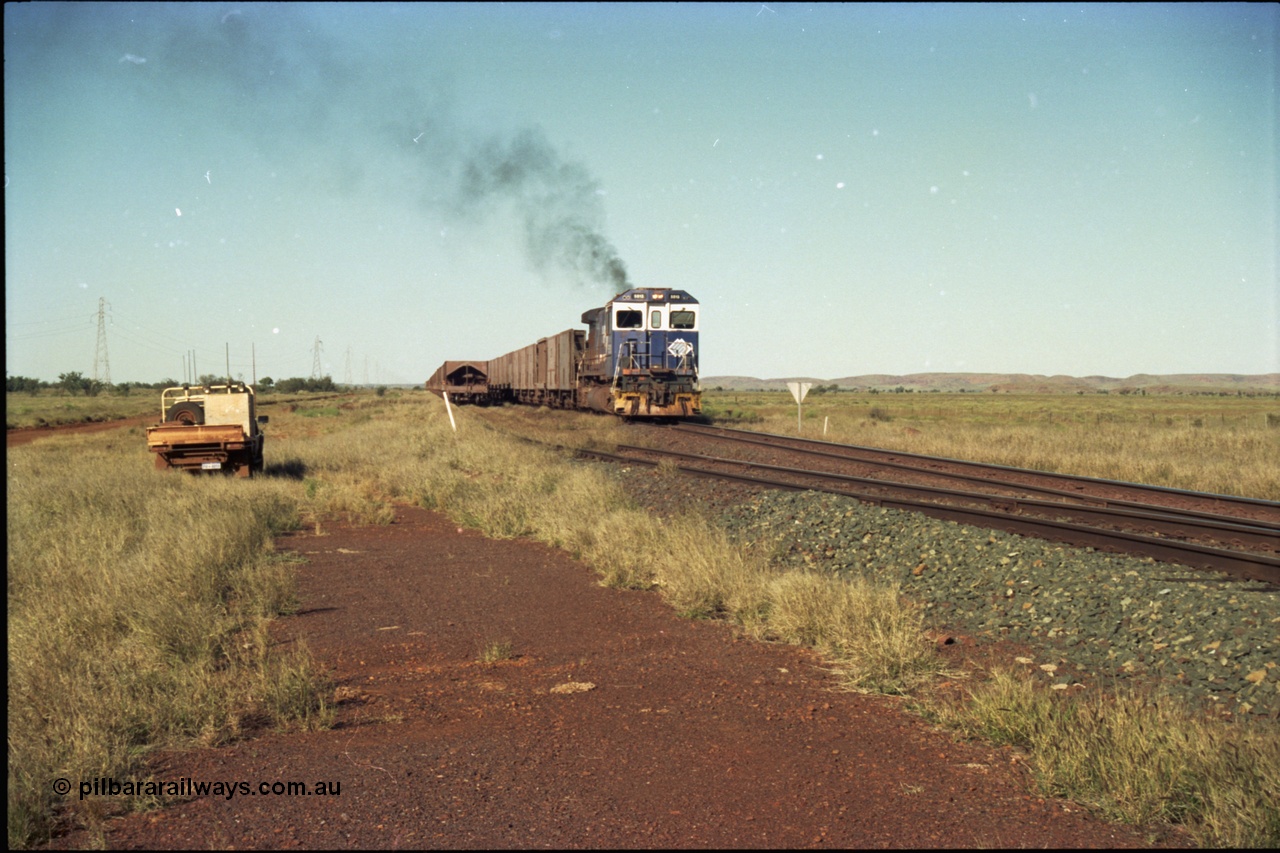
{"type": "Point", "coordinates": [613, 723]}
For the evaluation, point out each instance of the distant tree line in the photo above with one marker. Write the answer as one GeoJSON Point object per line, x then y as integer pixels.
{"type": "Point", "coordinates": [901, 389]}
{"type": "Point", "coordinates": [296, 384]}
{"type": "Point", "coordinates": [76, 383]}
{"type": "Point", "coordinates": [70, 383]}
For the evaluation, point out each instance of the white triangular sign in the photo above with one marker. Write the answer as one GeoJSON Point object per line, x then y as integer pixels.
{"type": "Point", "coordinates": [799, 389]}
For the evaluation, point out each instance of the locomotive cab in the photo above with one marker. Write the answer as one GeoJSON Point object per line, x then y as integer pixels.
{"type": "Point", "coordinates": [641, 356]}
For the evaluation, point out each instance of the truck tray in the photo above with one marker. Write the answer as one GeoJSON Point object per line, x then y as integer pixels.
{"type": "Point", "coordinates": [170, 435]}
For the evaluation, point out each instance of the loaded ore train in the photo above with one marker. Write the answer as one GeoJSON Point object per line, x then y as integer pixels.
{"type": "Point", "coordinates": [638, 358]}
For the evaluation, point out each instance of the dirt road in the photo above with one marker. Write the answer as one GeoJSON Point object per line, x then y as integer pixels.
{"type": "Point", "coordinates": [672, 733]}
{"type": "Point", "coordinates": [26, 435]}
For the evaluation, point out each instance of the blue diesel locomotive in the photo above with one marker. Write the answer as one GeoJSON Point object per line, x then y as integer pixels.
{"type": "Point", "coordinates": [638, 358]}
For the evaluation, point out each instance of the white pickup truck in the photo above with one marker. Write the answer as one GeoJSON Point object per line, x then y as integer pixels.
{"type": "Point", "coordinates": [208, 428]}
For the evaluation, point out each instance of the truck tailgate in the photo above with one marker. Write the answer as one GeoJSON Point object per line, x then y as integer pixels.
{"type": "Point", "coordinates": [173, 435]}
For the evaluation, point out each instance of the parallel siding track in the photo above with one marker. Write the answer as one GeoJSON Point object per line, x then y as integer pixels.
{"type": "Point", "coordinates": [1236, 535]}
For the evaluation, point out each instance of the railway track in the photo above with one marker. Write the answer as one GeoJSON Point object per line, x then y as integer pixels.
{"type": "Point", "coordinates": [1235, 535]}
{"type": "Point", "coordinates": [1091, 489]}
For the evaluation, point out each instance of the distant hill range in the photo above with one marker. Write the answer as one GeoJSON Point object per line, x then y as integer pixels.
{"type": "Point", "coordinates": [1021, 383]}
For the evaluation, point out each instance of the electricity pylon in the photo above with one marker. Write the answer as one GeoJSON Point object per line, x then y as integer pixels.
{"type": "Point", "coordinates": [101, 361]}
{"type": "Point", "coordinates": [315, 360]}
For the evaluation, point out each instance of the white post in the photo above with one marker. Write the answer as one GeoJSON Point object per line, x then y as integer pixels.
{"type": "Point", "coordinates": [449, 409]}
{"type": "Point", "coordinates": [825, 421]}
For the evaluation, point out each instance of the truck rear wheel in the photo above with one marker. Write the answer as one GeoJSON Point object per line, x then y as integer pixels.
{"type": "Point", "coordinates": [242, 464]}
{"type": "Point", "coordinates": [185, 413]}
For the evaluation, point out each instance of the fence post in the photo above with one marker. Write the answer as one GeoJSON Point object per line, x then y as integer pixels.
{"type": "Point", "coordinates": [449, 409]}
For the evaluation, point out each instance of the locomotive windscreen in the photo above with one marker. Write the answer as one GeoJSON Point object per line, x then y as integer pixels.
{"type": "Point", "coordinates": [682, 319]}
{"type": "Point", "coordinates": [628, 318]}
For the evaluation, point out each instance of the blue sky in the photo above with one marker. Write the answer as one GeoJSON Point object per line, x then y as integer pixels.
{"type": "Point", "coordinates": [1044, 188]}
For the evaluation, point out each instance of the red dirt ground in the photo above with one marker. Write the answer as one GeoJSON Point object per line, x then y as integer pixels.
{"type": "Point", "coordinates": [690, 736]}
{"type": "Point", "coordinates": [26, 435]}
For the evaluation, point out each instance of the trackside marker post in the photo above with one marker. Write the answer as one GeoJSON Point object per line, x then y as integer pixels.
{"type": "Point", "coordinates": [798, 390]}
{"type": "Point", "coordinates": [449, 409]}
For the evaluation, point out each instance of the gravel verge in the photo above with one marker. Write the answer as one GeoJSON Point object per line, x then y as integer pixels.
{"type": "Point", "coordinates": [1091, 617]}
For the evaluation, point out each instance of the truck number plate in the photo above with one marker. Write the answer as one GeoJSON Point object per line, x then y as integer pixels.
{"type": "Point", "coordinates": [211, 466]}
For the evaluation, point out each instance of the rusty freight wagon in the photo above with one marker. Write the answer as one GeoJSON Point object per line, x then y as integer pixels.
{"type": "Point", "coordinates": [541, 374]}
{"type": "Point", "coordinates": [466, 382]}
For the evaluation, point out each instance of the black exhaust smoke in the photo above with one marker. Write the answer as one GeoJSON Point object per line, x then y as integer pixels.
{"type": "Point", "coordinates": [558, 202]}
{"type": "Point", "coordinates": [369, 117]}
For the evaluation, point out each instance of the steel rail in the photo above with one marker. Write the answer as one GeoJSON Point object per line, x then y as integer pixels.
{"type": "Point", "coordinates": [763, 439]}
{"type": "Point", "coordinates": [1161, 520]}
{"type": "Point", "coordinates": [1209, 517]}
{"type": "Point", "coordinates": [928, 472]}
{"type": "Point", "coordinates": [1243, 565]}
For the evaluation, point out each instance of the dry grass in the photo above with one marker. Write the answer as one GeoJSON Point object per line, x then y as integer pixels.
{"type": "Point", "coordinates": [874, 637]}
{"type": "Point", "coordinates": [1227, 445]}
{"type": "Point", "coordinates": [505, 486]}
{"type": "Point", "coordinates": [138, 606]}
{"type": "Point", "coordinates": [1136, 758]}
{"type": "Point", "coordinates": [491, 477]}
{"type": "Point", "coordinates": [494, 651]}
{"type": "Point", "coordinates": [117, 595]}
{"type": "Point", "coordinates": [1219, 781]}
{"type": "Point", "coordinates": [51, 407]}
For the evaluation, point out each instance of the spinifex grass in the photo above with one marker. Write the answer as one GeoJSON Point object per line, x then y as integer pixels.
{"type": "Point", "coordinates": [137, 610]}
{"type": "Point", "coordinates": [495, 651]}
{"type": "Point", "coordinates": [1136, 757]}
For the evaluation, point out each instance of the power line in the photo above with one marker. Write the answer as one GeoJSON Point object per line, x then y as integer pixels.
{"type": "Point", "coordinates": [48, 333]}
{"type": "Point", "coordinates": [142, 336]}
{"type": "Point", "coordinates": [77, 320]}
